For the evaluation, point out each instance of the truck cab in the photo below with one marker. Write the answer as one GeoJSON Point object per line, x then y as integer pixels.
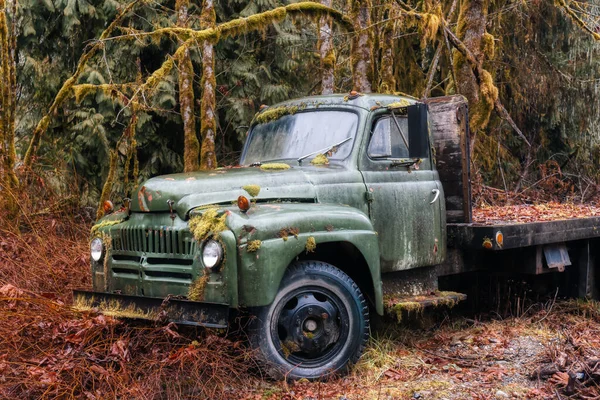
{"type": "Point", "coordinates": [331, 193]}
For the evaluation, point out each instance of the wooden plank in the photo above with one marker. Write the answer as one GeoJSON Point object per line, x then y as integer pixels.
{"type": "Point", "coordinates": [449, 127]}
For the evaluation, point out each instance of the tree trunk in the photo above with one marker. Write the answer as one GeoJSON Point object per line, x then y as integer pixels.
{"type": "Point", "coordinates": [471, 31]}
{"type": "Point", "coordinates": [208, 124]}
{"type": "Point", "coordinates": [8, 153]}
{"type": "Point", "coordinates": [386, 71]}
{"type": "Point", "coordinates": [362, 62]}
{"type": "Point", "coordinates": [326, 52]}
{"type": "Point", "coordinates": [191, 150]}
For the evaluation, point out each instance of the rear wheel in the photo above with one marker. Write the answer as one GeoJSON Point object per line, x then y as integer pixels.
{"type": "Point", "coordinates": [317, 325]}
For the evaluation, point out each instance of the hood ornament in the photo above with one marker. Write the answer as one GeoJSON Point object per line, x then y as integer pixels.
{"type": "Point", "coordinates": [170, 203]}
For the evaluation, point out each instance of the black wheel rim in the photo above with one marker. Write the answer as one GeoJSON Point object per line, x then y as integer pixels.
{"type": "Point", "coordinates": [310, 326]}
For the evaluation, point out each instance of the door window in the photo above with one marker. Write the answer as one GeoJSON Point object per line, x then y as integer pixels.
{"type": "Point", "coordinates": [389, 138]}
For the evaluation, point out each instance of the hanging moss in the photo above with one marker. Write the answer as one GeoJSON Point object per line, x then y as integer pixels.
{"type": "Point", "coordinates": [274, 167]}
{"type": "Point", "coordinates": [198, 287]}
{"type": "Point", "coordinates": [96, 228]}
{"type": "Point", "coordinates": [320, 159]}
{"type": "Point", "coordinates": [253, 246]}
{"type": "Point", "coordinates": [489, 46]}
{"type": "Point", "coordinates": [207, 224]}
{"type": "Point", "coordinates": [114, 90]}
{"type": "Point", "coordinates": [482, 110]}
{"type": "Point", "coordinates": [407, 307]}
{"type": "Point", "coordinates": [108, 184]}
{"type": "Point", "coordinates": [252, 190]}
{"type": "Point", "coordinates": [311, 245]}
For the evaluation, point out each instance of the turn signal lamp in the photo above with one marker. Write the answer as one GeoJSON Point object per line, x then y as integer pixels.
{"type": "Point", "coordinates": [108, 207]}
{"type": "Point", "coordinates": [243, 204]}
{"type": "Point", "coordinates": [499, 238]}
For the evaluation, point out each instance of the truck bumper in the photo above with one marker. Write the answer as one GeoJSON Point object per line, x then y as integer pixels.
{"type": "Point", "coordinates": [209, 315]}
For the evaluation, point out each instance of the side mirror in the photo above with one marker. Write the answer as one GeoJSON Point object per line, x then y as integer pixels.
{"type": "Point", "coordinates": [418, 131]}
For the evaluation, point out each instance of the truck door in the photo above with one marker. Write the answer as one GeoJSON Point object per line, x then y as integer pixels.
{"type": "Point", "coordinates": [406, 202]}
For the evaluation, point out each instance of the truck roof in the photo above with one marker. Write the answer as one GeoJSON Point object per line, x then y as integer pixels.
{"type": "Point", "coordinates": [368, 101]}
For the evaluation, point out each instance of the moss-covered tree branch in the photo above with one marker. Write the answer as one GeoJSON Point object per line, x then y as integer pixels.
{"type": "Point", "coordinates": [65, 90]}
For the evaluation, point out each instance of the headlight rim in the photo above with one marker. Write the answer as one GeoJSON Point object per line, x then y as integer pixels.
{"type": "Point", "coordinates": [101, 250]}
{"type": "Point", "coordinates": [220, 257]}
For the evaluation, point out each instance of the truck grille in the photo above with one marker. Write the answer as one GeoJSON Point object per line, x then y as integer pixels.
{"type": "Point", "coordinates": [153, 240]}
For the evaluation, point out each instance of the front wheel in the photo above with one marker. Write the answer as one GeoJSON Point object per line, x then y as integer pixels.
{"type": "Point", "coordinates": [317, 325]}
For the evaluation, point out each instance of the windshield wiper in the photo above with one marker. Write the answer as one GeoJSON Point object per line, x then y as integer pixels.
{"type": "Point", "coordinates": [324, 150]}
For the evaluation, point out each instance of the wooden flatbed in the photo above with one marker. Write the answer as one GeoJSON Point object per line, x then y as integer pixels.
{"type": "Point", "coordinates": [517, 235]}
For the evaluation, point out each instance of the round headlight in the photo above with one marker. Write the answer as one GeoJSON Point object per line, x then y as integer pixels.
{"type": "Point", "coordinates": [212, 254]}
{"type": "Point", "coordinates": [96, 248]}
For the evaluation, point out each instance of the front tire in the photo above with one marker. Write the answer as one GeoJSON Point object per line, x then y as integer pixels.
{"type": "Point", "coordinates": [317, 325]}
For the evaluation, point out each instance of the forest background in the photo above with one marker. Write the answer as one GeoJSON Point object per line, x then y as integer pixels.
{"type": "Point", "coordinates": [97, 96]}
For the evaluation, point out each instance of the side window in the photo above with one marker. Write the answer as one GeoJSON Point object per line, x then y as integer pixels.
{"type": "Point", "coordinates": [387, 141]}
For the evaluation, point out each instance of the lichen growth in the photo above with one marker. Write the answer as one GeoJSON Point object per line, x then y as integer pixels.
{"type": "Point", "coordinates": [311, 244]}
{"type": "Point", "coordinates": [320, 159]}
{"type": "Point", "coordinates": [398, 104]}
{"type": "Point", "coordinates": [252, 190]}
{"type": "Point", "coordinates": [274, 167]}
{"type": "Point", "coordinates": [197, 288]}
{"type": "Point", "coordinates": [207, 224]}
{"type": "Point", "coordinates": [253, 246]}
{"type": "Point", "coordinates": [272, 114]}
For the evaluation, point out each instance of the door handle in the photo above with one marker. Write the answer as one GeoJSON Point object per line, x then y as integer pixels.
{"type": "Point", "coordinates": [436, 192]}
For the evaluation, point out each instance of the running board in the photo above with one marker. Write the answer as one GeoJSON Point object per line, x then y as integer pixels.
{"type": "Point", "coordinates": [400, 307]}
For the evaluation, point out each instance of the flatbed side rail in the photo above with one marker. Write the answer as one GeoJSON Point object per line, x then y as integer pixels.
{"type": "Point", "coordinates": [513, 235]}
{"type": "Point", "coordinates": [186, 312]}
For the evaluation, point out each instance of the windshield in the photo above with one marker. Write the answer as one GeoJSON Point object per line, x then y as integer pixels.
{"type": "Point", "coordinates": [293, 136]}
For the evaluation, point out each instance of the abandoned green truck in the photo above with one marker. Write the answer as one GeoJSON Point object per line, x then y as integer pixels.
{"type": "Point", "coordinates": [342, 206]}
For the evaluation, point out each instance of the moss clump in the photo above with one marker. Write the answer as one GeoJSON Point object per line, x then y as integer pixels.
{"type": "Point", "coordinates": [311, 245]}
{"type": "Point", "coordinates": [272, 114]}
{"type": "Point", "coordinates": [274, 167]}
{"type": "Point", "coordinates": [96, 228]}
{"type": "Point", "coordinates": [252, 190]}
{"type": "Point", "coordinates": [208, 223]}
{"type": "Point", "coordinates": [286, 232]}
{"type": "Point", "coordinates": [398, 104]}
{"type": "Point", "coordinates": [253, 246]}
{"type": "Point", "coordinates": [288, 347]}
{"type": "Point", "coordinates": [197, 288]}
{"type": "Point", "coordinates": [113, 308]}
{"type": "Point", "coordinates": [408, 307]}
{"type": "Point", "coordinates": [320, 159]}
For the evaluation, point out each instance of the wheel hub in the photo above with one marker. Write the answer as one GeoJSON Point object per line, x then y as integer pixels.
{"type": "Point", "coordinates": [309, 325]}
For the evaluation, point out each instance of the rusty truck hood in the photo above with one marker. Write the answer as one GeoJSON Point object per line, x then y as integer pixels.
{"type": "Point", "coordinates": [194, 189]}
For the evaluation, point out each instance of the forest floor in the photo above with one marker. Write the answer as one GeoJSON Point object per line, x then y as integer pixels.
{"type": "Point", "coordinates": [48, 350]}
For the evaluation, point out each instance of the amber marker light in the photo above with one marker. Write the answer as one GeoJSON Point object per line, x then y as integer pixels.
{"type": "Point", "coordinates": [243, 204]}
{"type": "Point", "coordinates": [499, 238]}
{"type": "Point", "coordinates": [108, 207]}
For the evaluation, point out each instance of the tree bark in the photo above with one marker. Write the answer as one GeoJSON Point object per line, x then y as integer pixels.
{"type": "Point", "coordinates": [7, 54]}
{"type": "Point", "coordinates": [471, 29]}
{"type": "Point", "coordinates": [386, 71]}
{"type": "Point", "coordinates": [362, 62]}
{"type": "Point", "coordinates": [326, 52]}
{"type": "Point", "coordinates": [191, 149]}
{"type": "Point", "coordinates": [208, 123]}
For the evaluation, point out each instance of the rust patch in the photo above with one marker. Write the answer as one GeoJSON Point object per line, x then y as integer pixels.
{"type": "Point", "coordinates": [142, 200]}
{"type": "Point", "coordinates": [191, 178]}
{"type": "Point", "coordinates": [286, 232]}
{"type": "Point", "coordinates": [329, 228]}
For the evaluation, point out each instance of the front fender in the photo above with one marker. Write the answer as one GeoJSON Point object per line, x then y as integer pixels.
{"type": "Point", "coordinates": [271, 236]}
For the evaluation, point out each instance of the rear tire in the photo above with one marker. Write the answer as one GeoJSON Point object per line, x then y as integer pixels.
{"type": "Point", "coordinates": [317, 325]}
